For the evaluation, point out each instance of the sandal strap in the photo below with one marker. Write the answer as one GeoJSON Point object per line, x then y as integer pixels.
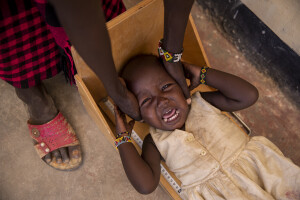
{"type": "Point", "coordinates": [53, 135]}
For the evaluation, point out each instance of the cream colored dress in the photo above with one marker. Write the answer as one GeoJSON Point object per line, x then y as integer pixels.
{"type": "Point", "coordinates": [215, 159]}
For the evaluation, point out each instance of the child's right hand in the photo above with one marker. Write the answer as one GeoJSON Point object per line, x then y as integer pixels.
{"type": "Point", "coordinates": [121, 122]}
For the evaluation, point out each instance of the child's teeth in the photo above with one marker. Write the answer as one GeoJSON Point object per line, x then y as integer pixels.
{"type": "Point", "coordinates": [173, 117]}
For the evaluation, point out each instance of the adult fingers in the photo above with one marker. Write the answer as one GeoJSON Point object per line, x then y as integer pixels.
{"type": "Point", "coordinates": [177, 72]}
{"type": "Point", "coordinates": [182, 83]}
{"type": "Point", "coordinates": [126, 101]}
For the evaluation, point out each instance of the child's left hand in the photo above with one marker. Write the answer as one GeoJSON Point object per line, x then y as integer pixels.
{"type": "Point", "coordinates": [192, 72]}
{"type": "Point", "coordinates": [121, 122]}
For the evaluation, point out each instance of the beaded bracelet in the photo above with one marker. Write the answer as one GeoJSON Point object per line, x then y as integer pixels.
{"type": "Point", "coordinates": [124, 132]}
{"type": "Point", "coordinates": [122, 140]}
{"type": "Point", "coordinates": [168, 56]}
{"type": "Point", "coordinates": [203, 73]}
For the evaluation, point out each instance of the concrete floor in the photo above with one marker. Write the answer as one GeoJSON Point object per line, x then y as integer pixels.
{"type": "Point", "coordinates": [24, 176]}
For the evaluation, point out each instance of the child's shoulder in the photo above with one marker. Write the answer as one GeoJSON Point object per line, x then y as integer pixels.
{"type": "Point", "coordinates": [149, 143]}
{"type": "Point", "coordinates": [200, 104]}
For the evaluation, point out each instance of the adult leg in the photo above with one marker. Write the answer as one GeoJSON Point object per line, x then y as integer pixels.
{"type": "Point", "coordinates": [41, 109]}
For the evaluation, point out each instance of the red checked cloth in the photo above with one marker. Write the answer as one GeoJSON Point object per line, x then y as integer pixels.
{"type": "Point", "coordinates": [31, 48]}
{"type": "Point", "coordinates": [28, 52]}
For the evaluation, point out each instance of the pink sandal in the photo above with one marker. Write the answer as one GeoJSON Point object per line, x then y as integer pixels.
{"type": "Point", "coordinates": [53, 135]}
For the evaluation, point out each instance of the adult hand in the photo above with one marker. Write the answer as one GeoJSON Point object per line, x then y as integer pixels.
{"type": "Point", "coordinates": [125, 100]}
{"type": "Point", "coordinates": [121, 122]}
{"type": "Point", "coordinates": [176, 15]}
{"type": "Point", "coordinates": [192, 72]}
{"type": "Point", "coordinates": [176, 71]}
{"type": "Point", "coordinates": [90, 37]}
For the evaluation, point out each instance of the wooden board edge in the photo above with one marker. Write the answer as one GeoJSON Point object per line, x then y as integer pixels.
{"type": "Point", "coordinates": [191, 21]}
{"type": "Point", "coordinates": [92, 108]}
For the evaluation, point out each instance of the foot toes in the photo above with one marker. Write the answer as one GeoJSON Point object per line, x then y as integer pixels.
{"type": "Point", "coordinates": [64, 155]}
{"type": "Point", "coordinates": [47, 158]}
{"type": "Point", "coordinates": [56, 156]}
{"type": "Point", "coordinates": [74, 152]}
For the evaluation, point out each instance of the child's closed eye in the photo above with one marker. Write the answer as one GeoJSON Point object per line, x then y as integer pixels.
{"type": "Point", "coordinates": [145, 101]}
{"type": "Point", "coordinates": [166, 86]}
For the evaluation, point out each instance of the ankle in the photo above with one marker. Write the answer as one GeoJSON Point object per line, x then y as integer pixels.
{"type": "Point", "coordinates": [42, 115]}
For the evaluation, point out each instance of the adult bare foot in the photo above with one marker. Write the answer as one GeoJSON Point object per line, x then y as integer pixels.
{"type": "Point", "coordinates": [42, 112]}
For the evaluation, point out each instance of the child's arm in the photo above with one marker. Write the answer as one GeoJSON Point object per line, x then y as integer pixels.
{"type": "Point", "coordinates": [233, 92]}
{"type": "Point", "coordinates": [142, 171]}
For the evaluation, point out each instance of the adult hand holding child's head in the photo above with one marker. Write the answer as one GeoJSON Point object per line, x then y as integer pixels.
{"type": "Point", "coordinates": [126, 101]}
{"type": "Point", "coordinates": [176, 71]}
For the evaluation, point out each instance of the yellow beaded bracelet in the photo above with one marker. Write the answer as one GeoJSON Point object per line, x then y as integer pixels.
{"type": "Point", "coordinates": [122, 140]}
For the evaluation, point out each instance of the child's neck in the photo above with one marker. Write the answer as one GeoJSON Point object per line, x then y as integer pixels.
{"type": "Point", "coordinates": [183, 127]}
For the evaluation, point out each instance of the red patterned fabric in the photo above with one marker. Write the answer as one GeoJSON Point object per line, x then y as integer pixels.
{"type": "Point", "coordinates": [29, 53]}
{"type": "Point", "coordinates": [31, 48]}
{"type": "Point", "coordinates": [112, 8]}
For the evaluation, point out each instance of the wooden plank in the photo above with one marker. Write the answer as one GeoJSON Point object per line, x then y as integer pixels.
{"type": "Point", "coordinates": [93, 109]}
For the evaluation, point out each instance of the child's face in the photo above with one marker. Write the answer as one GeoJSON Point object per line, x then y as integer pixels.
{"type": "Point", "coordinates": [161, 100]}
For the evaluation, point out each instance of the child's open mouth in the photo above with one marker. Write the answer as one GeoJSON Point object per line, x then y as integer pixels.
{"type": "Point", "coordinates": [170, 115]}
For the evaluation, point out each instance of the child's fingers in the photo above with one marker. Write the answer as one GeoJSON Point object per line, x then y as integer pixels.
{"type": "Point", "coordinates": [117, 112]}
{"type": "Point", "coordinates": [131, 125]}
{"type": "Point", "coordinates": [192, 86]}
{"type": "Point", "coordinates": [118, 116]}
{"type": "Point", "coordinates": [120, 126]}
{"type": "Point", "coordinates": [121, 122]}
{"type": "Point", "coordinates": [123, 116]}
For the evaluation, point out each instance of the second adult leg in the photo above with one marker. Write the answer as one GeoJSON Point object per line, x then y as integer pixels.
{"type": "Point", "coordinates": [41, 109]}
